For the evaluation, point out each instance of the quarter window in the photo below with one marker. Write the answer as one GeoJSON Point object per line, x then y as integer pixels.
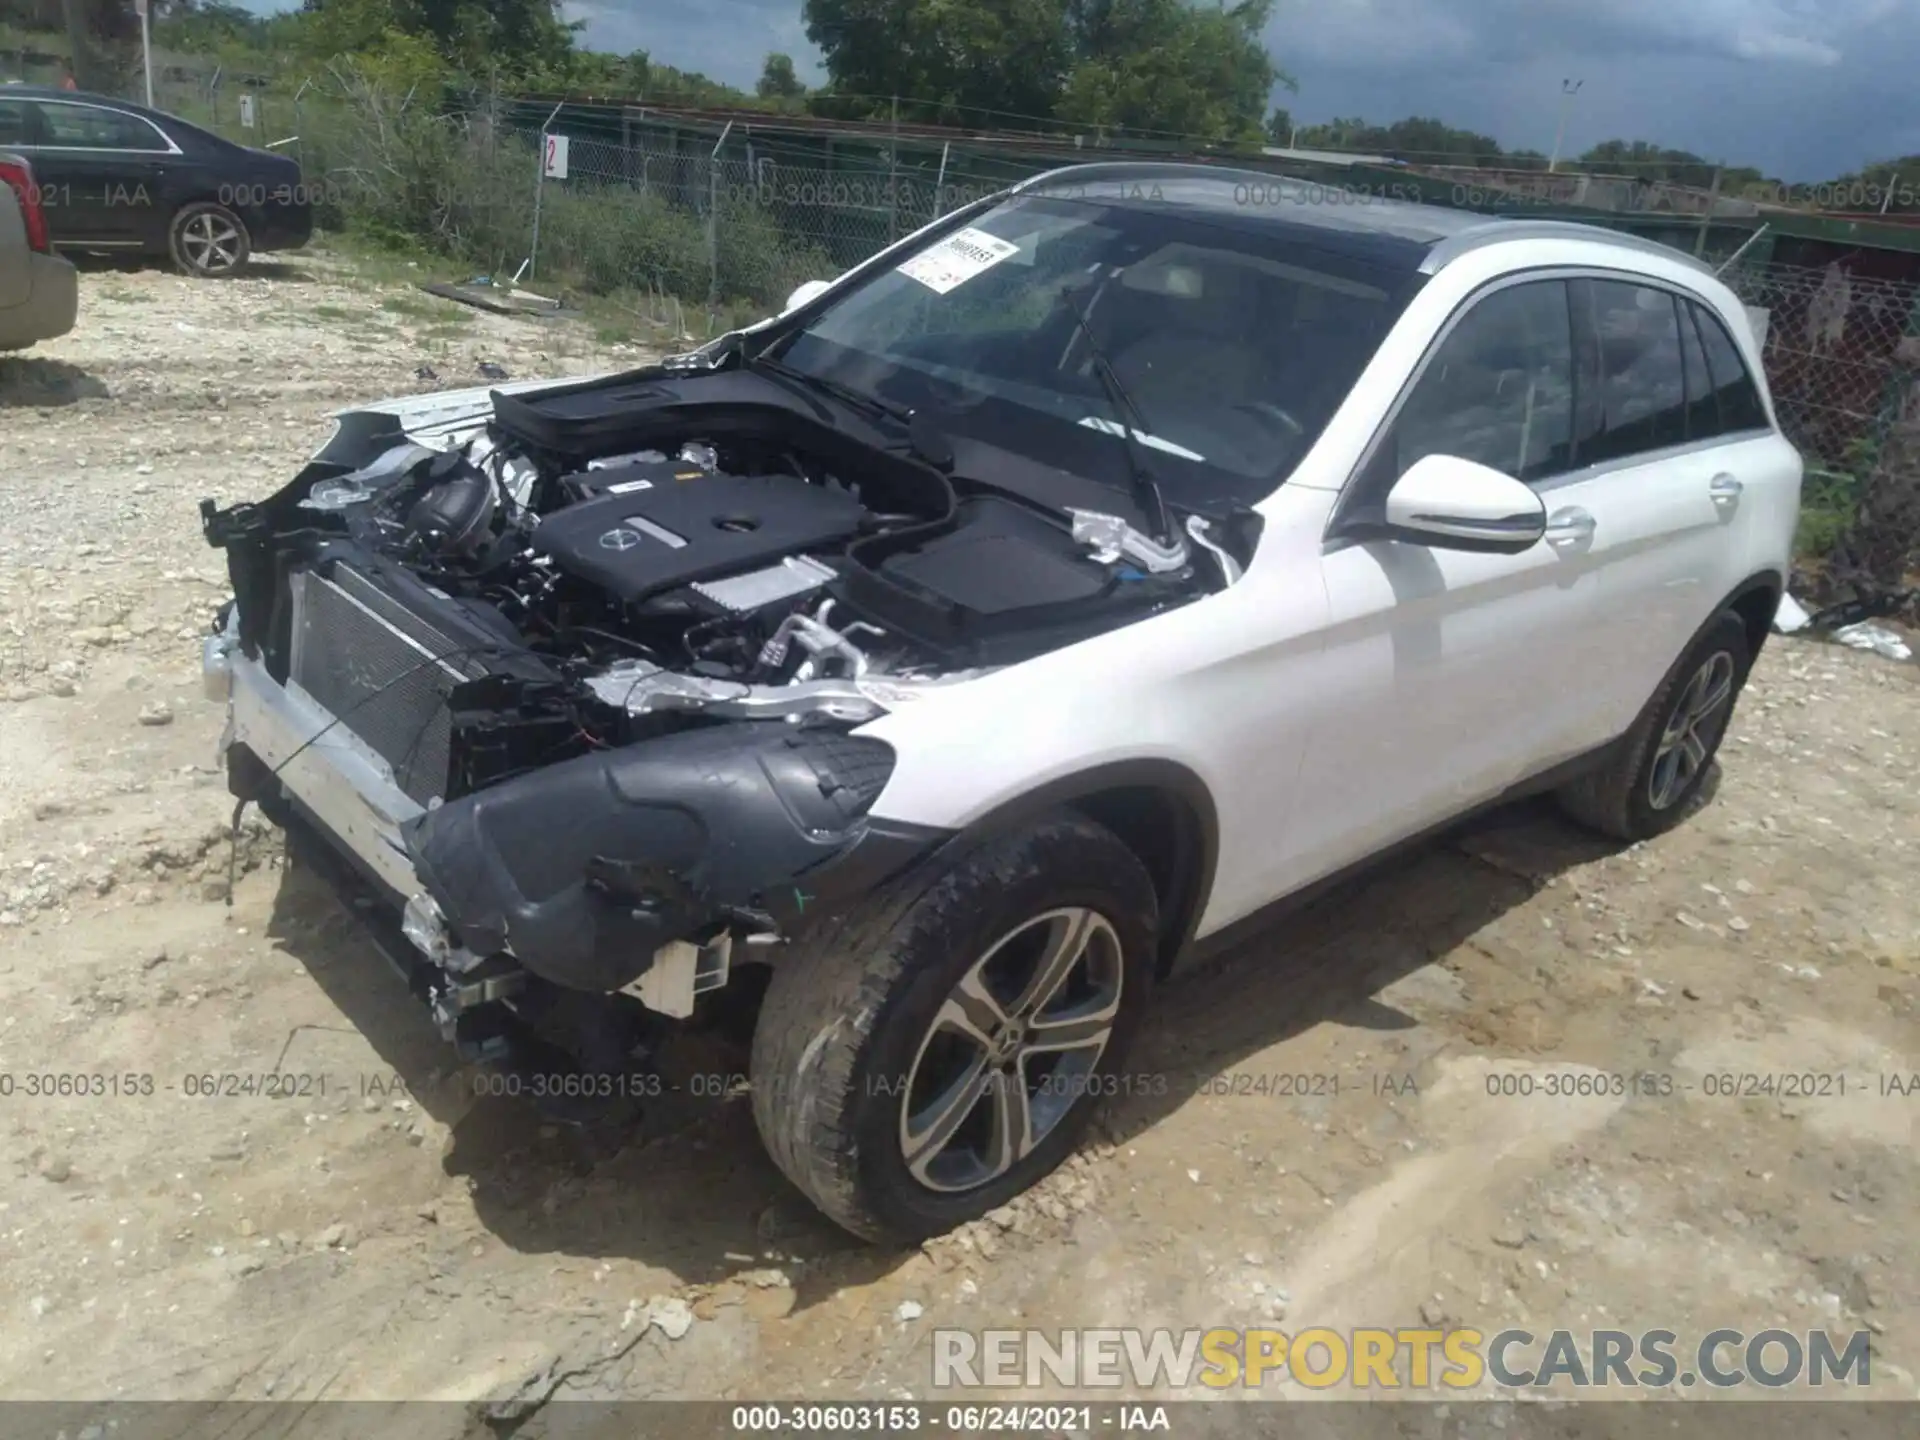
{"type": "Point", "coordinates": [1642, 377]}
{"type": "Point", "coordinates": [1499, 390]}
{"type": "Point", "coordinates": [1737, 397]}
{"type": "Point", "coordinates": [87, 127]}
{"type": "Point", "coordinates": [1703, 411]}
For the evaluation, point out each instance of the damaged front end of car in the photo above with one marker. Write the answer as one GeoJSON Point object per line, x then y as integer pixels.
{"type": "Point", "coordinates": [572, 677]}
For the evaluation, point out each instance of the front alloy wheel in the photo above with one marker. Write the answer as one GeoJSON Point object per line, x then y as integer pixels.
{"type": "Point", "coordinates": [1011, 1049]}
{"type": "Point", "coordinates": [935, 1049]}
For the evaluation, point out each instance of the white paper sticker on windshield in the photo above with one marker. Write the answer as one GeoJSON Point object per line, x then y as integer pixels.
{"type": "Point", "coordinates": [957, 259]}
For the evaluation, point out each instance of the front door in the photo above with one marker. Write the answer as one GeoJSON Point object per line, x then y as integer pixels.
{"type": "Point", "coordinates": [1449, 674]}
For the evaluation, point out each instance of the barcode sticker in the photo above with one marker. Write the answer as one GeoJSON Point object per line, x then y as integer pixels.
{"type": "Point", "coordinates": [957, 259]}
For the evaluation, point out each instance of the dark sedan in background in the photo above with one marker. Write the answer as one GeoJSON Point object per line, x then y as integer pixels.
{"type": "Point", "coordinates": [116, 177]}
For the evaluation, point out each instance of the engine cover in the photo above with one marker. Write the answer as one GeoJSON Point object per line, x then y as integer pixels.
{"type": "Point", "coordinates": [643, 534]}
{"type": "Point", "coordinates": [997, 569]}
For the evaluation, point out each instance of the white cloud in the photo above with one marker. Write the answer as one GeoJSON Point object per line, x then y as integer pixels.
{"type": "Point", "coordinates": [1793, 48]}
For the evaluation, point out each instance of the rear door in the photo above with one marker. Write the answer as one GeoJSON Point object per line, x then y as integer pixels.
{"type": "Point", "coordinates": [1656, 487]}
{"type": "Point", "coordinates": [105, 167]}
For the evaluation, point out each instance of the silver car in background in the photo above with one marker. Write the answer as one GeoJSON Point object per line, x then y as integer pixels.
{"type": "Point", "coordinates": [39, 291]}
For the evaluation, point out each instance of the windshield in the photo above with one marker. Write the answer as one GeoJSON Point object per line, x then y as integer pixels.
{"type": "Point", "coordinates": [1235, 342]}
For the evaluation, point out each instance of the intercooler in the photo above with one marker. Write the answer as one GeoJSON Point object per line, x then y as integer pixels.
{"type": "Point", "coordinates": [382, 671]}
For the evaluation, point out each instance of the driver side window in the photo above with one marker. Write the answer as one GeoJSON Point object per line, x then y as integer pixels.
{"type": "Point", "coordinates": [1499, 390]}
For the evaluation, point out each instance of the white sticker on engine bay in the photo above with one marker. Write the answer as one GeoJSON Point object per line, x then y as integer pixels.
{"type": "Point", "coordinates": [627, 487]}
{"type": "Point", "coordinates": [957, 259]}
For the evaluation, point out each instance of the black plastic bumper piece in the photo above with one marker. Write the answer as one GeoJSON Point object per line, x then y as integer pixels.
{"type": "Point", "coordinates": [587, 867]}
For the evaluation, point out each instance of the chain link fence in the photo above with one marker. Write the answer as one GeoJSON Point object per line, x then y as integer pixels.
{"type": "Point", "coordinates": [1842, 355]}
{"type": "Point", "coordinates": [732, 223]}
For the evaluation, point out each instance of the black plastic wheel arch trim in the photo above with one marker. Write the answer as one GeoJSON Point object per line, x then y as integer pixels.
{"type": "Point", "coordinates": [1195, 845]}
{"type": "Point", "coordinates": [584, 869]}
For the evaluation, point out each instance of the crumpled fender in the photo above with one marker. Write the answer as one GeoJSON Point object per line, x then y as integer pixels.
{"type": "Point", "coordinates": [583, 869]}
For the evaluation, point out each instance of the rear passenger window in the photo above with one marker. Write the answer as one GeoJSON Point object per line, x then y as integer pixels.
{"type": "Point", "coordinates": [88, 127]}
{"type": "Point", "coordinates": [1735, 394]}
{"type": "Point", "coordinates": [1642, 378]}
{"type": "Point", "coordinates": [1500, 388]}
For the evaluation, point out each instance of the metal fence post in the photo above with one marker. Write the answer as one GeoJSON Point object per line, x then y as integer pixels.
{"type": "Point", "coordinates": [713, 219]}
{"type": "Point", "coordinates": [1706, 220]}
{"type": "Point", "coordinates": [893, 176]}
{"type": "Point", "coordinates": [539, 187]}
{"type": "Point", "coordinates": [299, 127]}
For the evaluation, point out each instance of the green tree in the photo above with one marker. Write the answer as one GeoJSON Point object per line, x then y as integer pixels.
{"type": "Point", "coordinates": [945, 59]}
{"type": "Point", "coordinates": [1644, 160]}
{"type": "Point", "coordinates": [1122, 66]}
{"type": "Point", "coordinates": [511, 37]}
{"type": "Point", "coordinates": [1418, 139]}
{"type": "Point", "coordinates": [1160, 65]}
{"type": "Point", "coordinates": [1894, 184]}
{"type": "Point", "coordinates": [1280, 127]}
{"type": "Point", "coordinates": [777, 80]}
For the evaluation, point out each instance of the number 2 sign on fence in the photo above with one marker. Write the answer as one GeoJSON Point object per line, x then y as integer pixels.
{"type": "Point", "coordinates": [555, 167]}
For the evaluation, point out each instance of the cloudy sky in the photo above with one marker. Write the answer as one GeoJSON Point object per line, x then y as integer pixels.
{"type": "Point", "coordinates": [1804, 89]}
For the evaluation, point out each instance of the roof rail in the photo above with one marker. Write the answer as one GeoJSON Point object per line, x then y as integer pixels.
{"type": "Point", "coordinates": [1137, 169]}
{"type": "Point", "coordinates": [1499, 229]}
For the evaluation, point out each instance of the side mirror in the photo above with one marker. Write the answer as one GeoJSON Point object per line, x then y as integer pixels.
{"type": "Point", "coordinates": [806, 294]}
{"type": "Point", "coordinates": [1456, 504]}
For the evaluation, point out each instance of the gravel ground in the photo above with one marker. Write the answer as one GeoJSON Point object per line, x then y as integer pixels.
{"type": "Point", "coordinates": [396, 1234]}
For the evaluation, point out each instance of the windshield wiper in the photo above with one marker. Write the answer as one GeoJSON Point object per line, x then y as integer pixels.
{"type": "Point", "coordinates": [870, 405]}
{"type": "Point", "coordinates": [1132, 424]}
{"type": "Point", "coordinates": [923, 434]}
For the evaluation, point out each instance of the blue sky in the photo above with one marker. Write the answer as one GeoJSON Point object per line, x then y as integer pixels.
{"type": "Point", "coordinates": [1801, 88]}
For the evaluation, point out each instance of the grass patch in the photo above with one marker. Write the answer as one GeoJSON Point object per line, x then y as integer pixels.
{"type": "Point", "coordinates": [1828, 501]}
{"type": "Point", "coordinates": [415, 307]}
{"type": "Point", "coordinates": [333, 312]}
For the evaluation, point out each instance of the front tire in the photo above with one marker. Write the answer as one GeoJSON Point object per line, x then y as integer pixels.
{"type": "Point", "coordinates": [941, 1046]}
{"type": "Point", "coordinates": [209, 241]}
{"type": "Point", "coordinates": [1650, 782]}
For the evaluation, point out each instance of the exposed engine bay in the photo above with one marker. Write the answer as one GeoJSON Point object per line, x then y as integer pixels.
{"type": "Point", "coordinates": [569, 675]}
{"type": "Point", "coordinates": [590, 569]}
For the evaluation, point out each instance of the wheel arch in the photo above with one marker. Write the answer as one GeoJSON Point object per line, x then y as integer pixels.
{"type": "Point", "coordinates": [1161, 810]}
{"type": "Point", "coordinates": [1755, 600]}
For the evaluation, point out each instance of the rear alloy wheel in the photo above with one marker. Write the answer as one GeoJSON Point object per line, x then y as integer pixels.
{"type": "Point", "coordinates": [936, 1049]}
{"type": "Point", "coordinates": [1649, 782]}
{"type": "Point", "coordinates": [1692, 732]}
{"type": "Point", "coordinates": [209, 240]}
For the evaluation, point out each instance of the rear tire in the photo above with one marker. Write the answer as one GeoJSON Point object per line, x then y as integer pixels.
{"type": "Point", "coordinates": [1649, 783]}
{"type": "Point", "coordinates": [209, 241]}
{"type": "Point", "coordinates": [891, 1047]}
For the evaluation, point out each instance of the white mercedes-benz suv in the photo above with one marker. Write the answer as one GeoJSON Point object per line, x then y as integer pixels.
{"type": "Point", "coordinates": [921, 673]}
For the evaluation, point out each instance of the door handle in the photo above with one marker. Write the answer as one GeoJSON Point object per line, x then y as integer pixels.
{"type": "Point", "coordinates": [1725, 491]}
{"type": "Point", "coordinates": [1569, 527]}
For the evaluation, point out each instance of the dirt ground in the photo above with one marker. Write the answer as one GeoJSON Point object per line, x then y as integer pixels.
{"type": "Point", "coordinates": [399, 1236]}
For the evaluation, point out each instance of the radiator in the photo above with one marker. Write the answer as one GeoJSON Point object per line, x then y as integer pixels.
{"type": "Point", "coordinates": [383, 672]}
